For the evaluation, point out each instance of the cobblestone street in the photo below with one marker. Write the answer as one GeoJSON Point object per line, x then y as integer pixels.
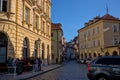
{"type": "Point", "coordinates": [71, 71]}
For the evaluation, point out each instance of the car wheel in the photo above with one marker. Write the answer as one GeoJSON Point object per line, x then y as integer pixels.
{"type": "Point", "coordinates": [102, 78]}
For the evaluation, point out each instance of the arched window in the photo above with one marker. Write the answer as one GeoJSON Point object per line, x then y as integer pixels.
{"type": "Point", "coordinates": [94, 55]}
{"type": "Point", "coordinates": [3, 47]}
{"type": "Point", "coordinates": [107, 54]}
{"type": "Point", "coordinates": [25, 52]}
{"type": "Point", "coordinates": [114, 53]}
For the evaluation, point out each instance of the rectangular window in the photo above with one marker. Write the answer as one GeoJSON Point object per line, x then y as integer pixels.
{"type": "Point", "coordinates": [43, 26]}
{"type": "Point", "coordinates": [93, 43]}
{"type": "Point", "coordinates": [116, 41]}
{"type": "Point", "coordinates": [48, 30]}
{"type": "Point", "coordinates": [89, 44]}
{"type": "Point", "coordinates": [51, 34]}
{"type": "Point", "coordinates": [84, 35]}
{"type": "Point", "coordinates": [27, 15]}
{"type": "Point", "coordinates": [98, 30]}
{"type": "Point", "coordinates": [88, 33]}
{"type": "Point", "coordinates": [3, 5]}
{"type": "Point", "coordinates": [36, 21]}
{"type": "Point", "coordinates": [98, 42]}
{"type": "Point", "coordinates": [93, 31]}
{"type": "Point", "coordinates": [115, 28]}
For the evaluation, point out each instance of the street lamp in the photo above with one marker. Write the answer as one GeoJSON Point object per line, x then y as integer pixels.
{"type": "Point", "coordinates": [119, 47]}
{"type": "Point", "coordinates": [39, 41]}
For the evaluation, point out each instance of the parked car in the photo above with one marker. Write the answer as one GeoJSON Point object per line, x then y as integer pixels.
{"type": "Point", "coordinates": [104, 68]}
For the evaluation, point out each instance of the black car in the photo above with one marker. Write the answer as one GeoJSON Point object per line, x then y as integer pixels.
{"type": "Point", "coordinates": [104, 68]}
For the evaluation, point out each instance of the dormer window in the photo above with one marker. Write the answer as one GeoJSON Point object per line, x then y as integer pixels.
{"type": "Point", "coordinates": [3, 5]}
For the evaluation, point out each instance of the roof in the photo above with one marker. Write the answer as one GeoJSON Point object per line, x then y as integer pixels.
{"type": "Point", "coordinates": [109, 17]}
{"type": "Point", "coordinates": [98, 18]}
{"type": "Point", "coordinates": [56, 26]}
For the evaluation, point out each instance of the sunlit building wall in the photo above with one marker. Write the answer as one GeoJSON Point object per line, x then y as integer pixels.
{"type": "Point", "coordinates": [99, 37]}
{"type": "Point", "coordinates": [25, 29]}
{"type": "Point", "coordinates": [57, 38]}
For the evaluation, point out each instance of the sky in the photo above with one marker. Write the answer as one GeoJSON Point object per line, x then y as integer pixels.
{"type": "Point", "coordinates": [72, 14]}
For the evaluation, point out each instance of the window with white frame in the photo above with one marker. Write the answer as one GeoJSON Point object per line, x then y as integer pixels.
{"type": "Point", "coordinates": [84, 35]}
{"type": "Point", "coordinates": [115, 28]}
{"type": "Point", "coordinates": [98, 30]}
{"type": "Point", "coordinates": [3, 5]}
{"type": "Point", "coordinates": [116, 40]}
{"type": "Point", "coordinates": [89, 44]}
{"type": "Point", "coordinates": [36, 21]}
{"type": "Point", "coordinates": [88, 33]}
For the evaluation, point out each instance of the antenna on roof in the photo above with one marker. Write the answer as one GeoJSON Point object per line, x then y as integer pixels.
{"type": "Point", "coordinates": [107, 9]}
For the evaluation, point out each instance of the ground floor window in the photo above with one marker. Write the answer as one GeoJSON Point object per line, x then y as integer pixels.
{"type": "Point", "coordinates": [3, 47]}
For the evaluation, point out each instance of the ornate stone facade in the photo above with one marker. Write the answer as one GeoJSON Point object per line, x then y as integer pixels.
{"type": "Point", "coordinates": [25, 29]}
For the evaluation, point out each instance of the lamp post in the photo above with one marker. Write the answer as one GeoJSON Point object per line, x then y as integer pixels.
{"type": "Point", "coordinates": [119, 47]}
{"type": "Point", "coordinates": [39, 41]}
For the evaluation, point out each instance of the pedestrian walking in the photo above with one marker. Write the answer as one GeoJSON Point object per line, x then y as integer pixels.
{"type": "Point", "coordinates": [36, 64]}
{"type": "Point", "coordinates": [19, 66]}
{"type": "Point", "coordinates": [9, 64]}
{"type": "Point", "coordinates": [39, 64]}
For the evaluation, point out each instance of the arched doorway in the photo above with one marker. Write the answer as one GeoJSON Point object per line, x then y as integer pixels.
{"type": "Point", "coordinates": [94, 55]}
{"type": "Point", "coordinates": [25, 53]}
{"type": "Point", "coordinates": [3, 48]}
{"type": "Point", "coordinates": [85, 55]}
{"type": "Point", "coordinates": [90, 55]}
{"type": "Point", "coordinates": [81, 55]}
{"type": "Point", "coordinates": [114, 53]}
{"type": "Point", "coordinates": [107, 54]}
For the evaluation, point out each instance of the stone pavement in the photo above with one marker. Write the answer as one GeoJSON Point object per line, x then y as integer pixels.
{"type": "Point", "coordinates": [27, 75]}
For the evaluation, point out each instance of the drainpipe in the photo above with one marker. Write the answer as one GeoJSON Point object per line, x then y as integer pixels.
{"type": "Point", "coordinates": [16, 27]}
{"type": "Point", "coordinates": [57, 48]}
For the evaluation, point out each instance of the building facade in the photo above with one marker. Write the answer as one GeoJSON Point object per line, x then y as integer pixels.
{"type": "Point", "coordinates": [100, 36]}
{"type": "Point", "coordinates": [75, 46]}
{"type": "Point", "coordinates": [25, 29]}
{"type": "Point", "coordinates": [57, 42]}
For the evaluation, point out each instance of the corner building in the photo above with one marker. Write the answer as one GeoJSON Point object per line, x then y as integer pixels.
{"type": "Point", "coordinates": [100, 37]}
{"type": "Point", "coordinates": [25, 29]}
{"type": "Point", "coordinates": [57, 42]}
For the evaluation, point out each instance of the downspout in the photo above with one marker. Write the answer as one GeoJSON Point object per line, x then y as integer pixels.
{"type": "Point", "coordinates": [57, 48]}
{"type": "Point", "coordinates": [16, 27]}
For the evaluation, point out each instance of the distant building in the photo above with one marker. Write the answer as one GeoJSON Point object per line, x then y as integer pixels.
{"type": "Point", "coordinates": [70, 50]}
{"type": "Point", "coordinates": [25, 29]}
{"type": "Point", "coordinates": [75, 46]}
{"type": "Point", "coordinates": [57, 42]}
{"type": "Point", "coordinates": [100, 36]}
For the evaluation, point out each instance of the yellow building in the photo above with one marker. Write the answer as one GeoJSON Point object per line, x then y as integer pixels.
{"type": "Point", "coordinates": [56, 48]}
{"type": "Point", "coordinates": [100, 36]}
{"type": "Point", "coordinates": [25, 29]}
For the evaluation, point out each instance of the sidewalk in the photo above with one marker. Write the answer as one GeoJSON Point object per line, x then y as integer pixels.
{"type": "Point", "coordinates": [27, 75]}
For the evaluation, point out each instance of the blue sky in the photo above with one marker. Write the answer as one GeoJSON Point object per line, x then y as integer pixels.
{"type": "Point", "coordinates": [72, 14]}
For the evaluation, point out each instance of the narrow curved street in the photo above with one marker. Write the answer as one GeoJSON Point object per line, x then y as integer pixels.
{"type": "Point", "coordinates": [71, 71]}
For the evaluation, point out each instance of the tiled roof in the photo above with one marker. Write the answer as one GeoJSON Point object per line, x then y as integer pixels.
{"type": "Point", "coordinates": [56, 26]}
{"type": "Point", "coordinates": [109, 17]}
